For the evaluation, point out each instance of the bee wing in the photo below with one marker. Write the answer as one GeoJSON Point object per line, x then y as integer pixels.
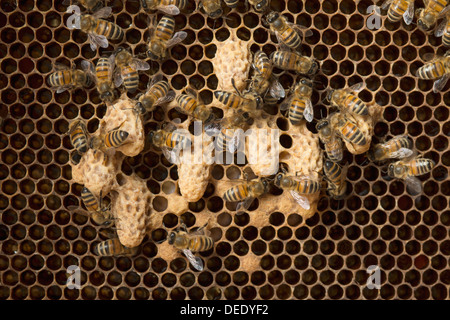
{"type": "Point", "coordinates": [177, 38]}
{"type": "Point", "coordinates": [357, 87]}
{"type": "Point", "coordinates": [401, 153]}
{"type": "Point", "coordinates": [104, 12]}
{"type": "Point", "coordinates": [408, 16]}
{"type": "Point", "coordinates": [441, 28]}
{"type": "Point", "coordinates": [386, 4]}
{"type": "Point", "coordinates": [140, 65]}
{"type": "Point", "coordinates": [276, 90]}
{"type": "Point", "coordinates": [234, 143]}
{"type": "Point", "coordinates": [169, 97]}
{"type": "Point", "coordinates": [96, 40]}
{"type": "Point", "coordinates": [170, 9]}
{"type": "Point", "coordinates": [213, 129]}
{"type": "Point", "coordinates": [112, 63]}
{"type": "Point", "coordinates": [444, 12]}
{"type": "Point", "coordinates": [440, 83]}
{"type": "Point", "coordinates": [171, 155]}
{"type": "Point", "coordinates": [196, 262]}
{"type": "Point", "coordinates": [157, 78]}
{"type": "Point", "coordinates": [308, 114]}
{"type": "Point", "coordinates": [344, 173]}
{"type": "Point", "coordinates": [78, 210]}
{"type": "Point", "coordinates": [301, 200]}
{"type": "Point", "coordinates": [59, 66]}
{"type": "Point", "coordinates": [286, 103]}
{"type": "Point", "coordinates": [301, 30]}
{"type": "Point", "coordinates": [63, 88]}
{"type": "Point", "coordinates": [413, 185]}
{"type": "Point", "coordinates": [118, 80]}
{"type": "Point", "coordinates": [245, 204]}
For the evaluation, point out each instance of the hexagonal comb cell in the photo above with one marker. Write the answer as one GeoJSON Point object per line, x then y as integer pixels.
{"type": "Point", "coordinates": [276, 254]}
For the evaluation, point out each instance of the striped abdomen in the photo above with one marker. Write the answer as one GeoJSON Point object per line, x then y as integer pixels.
{"type": "Point", "coordinates": [230, 100]}
{"type": "Point", "coordinates": [187, 103]}
{"type": "Point", "coordinates": [334, 150]}
{"type": "Point", "coordinates": [333, 171]}
{"type": "Point", "coordinates": [446, 35]}
{"type": "Point", "coordinates": [108, 29]}
{"type": "Point", "coordinates": [290, 37]}
{"type": "Point", "coordinates": [396, 144]}
{"type": "Point", "coordinates": [176, 140]}
{"type": "Point", "coordinates": [231, 3]}
{"type": "Point", "coordinates": [113, 247]}
{"type": "Point", "coordinates": [307, 186]}
{"type": "Point", "coordinates": [159, 90]}
{"type": "Point", "coordinates": [180, 4]}
{"type": "Point", "coordinates": [432, 70]}
{"type": "Point", "coordinates": [296, 110]}
{"type": "Point", "coordinates": [115, 138]}
{"type": "Point", "coordinates": [262, 64]}
{"type": "Point", "coordinates": [165, 28]}
{"type": "Point", "coordinates": [200, 243]}
{"type": "Point", "coordinates": [418, 167]}
{"type": "Point", "coordinates": [236, 193]}
{"type": "Point", "coordinates": [351, 133]}
{"type": "Point", "coordinates": [285, 60]}
{"type": "Point", "coordinates": [90, 201]}
{"type": "Point", "coordinates": [436, 5]}
{"type": "Point", "coordinates": [102, 70]}
{"type": "Point", "coordinates": [79, 139]}
{"type": "Point", "coordinates": [60, 78]}
{"type": "Point", "coordinates": [130, 78]}
{"type": "Point", "coordinates": [355, 105]}
{"type": "Point", "coordinates": [225, 136]}
{"type": "Point", "coordinates": [397, 9]}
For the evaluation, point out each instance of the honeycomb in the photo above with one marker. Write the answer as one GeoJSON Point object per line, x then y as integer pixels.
{"type": "Point", "coordinates": [324, 257]}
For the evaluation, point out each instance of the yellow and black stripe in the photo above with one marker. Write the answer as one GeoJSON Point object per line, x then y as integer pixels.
{"type": "Point", "coordinates": [290, 37]}
{"type": "Point", "coordinates": [230, 100]}
{"type": "Point", "coordinates": [296, 111]}
{"type": "Point", "coordinates": [236, 193]}
{"type": "Point", "coordinates": [108, 29]}
{"type": "Point", "coordinates": [306, 186]}
{"type": "Point", "coordinates": [231, 3]}
{"type": "Point", "coordinates": [90, 201]}
{"type": "Point", "coordinates": [165, 28]}
{"type": "Point", "coordinates": [397, 9]}
{"type": "Point", "coordinates": [115, 138]}
{"type": "Point", "coordinates": [355, 105]}
{"type": "Point", "coordinates": [285, 60]}
{"type": "Point", "coordinates": [130, 78]}
{"type": "Point", "coordinates": [177, 140]}
{"type": "Point", "coordinates": [262, 64]}
{"type": "Point", "coordinates": [187, 103]}
{"type": "Point", "coordinates": [446, 35]}
{"type": "Point", "coordinates": [78, 138]}
{"type": "Point", "coordinates": [351, 133]}
{"type": "Point", "coordinates": [433, 70]}
{"type": "Point", "coordinates": [334, 150]}
{"type": "Point", "coordinates": [102, 69]}
{"type": "Point", "coordinates": [200, 243]}
{"type": "Point", "coordinates": [418, 167]}
{"type": "Point", "coordinates": [60, 78]}
{"type": "Point", "coordinates": [333, 172]}
{"type": "Point", "coordinates": [113, 247]}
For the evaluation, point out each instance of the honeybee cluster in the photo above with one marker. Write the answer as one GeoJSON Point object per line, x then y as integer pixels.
{"type": "Point", "coordinates": [350, 122]}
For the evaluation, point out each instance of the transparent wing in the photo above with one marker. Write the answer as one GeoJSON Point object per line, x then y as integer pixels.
{"type": "Point", "coordinates": [357, 87]}
{"type": "Point", "coordinates": [301, 30]}
{"type": "Point", "coordinates": [169, 97]}
{"type": "Point", "coordinates": [118, 80]}
{"type": "Point", "coordinates": [344, 173]}
{"type": "Point", "coordinates": [78, 210]}
{"type": "Point", "coordinates": [444, 12]}
{"type": "Point", "coordinates": [441, 27]}
{"type": "Point", "coordinates": [59, 67]}
{"type": "Point", "coordinates": [286, 103]}
{"type": "Point", "coordinates": [170, 9]}
{"type": "Point", "coordinates": [87, 66]}
{"type": "Point", "coordinates": [171, 155]}
{"type": "Point", "coordinates": [308, 114]}
{"type": "Point", "coordinates": [96, 40]}
{"type": "Point", "coordinates": [401, 153]}
{"type": "Point", "coordinates": [233, 144]}
{"type": "Point", "coordinates": [112, 63]}
{"type": "Point", "coordinates": [408, 16]}
{"type": "Point", "coordinates": [413, 185]}
{"type": "Point", "coordinates": [63, 88]}
{"type": "Point", "coordinates": [430, 57]}
{"type": "Point", "coordinates": [104, 12]}
{"type": "Point", "coordinates": [301, 200]}
{"type": "Point", "coordinates": [177, 38]}
{"type": "Point", "coordinates": [196, 262]}
{"type": "Point", "coordinates": [157, 78]}
{"type": "Point", "coordinates": [276, 90]}
{"type": "Point", "coordinates": [386, 4]}
{"type": "Point", "coordinates": [213, 129]}
{"type": "Point", "coordinates": [440, 83]}
{"type": "Point", "coordinates": [140, 65]}
{"type": "Point", "coordinates": [245, 204]}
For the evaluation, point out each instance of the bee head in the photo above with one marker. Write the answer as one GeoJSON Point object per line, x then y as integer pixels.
{"type": "Point", "coordinates": [216, 14]}
{"type": "Point", "coordinates": [260, 6]}
{"type": "Point", "coordinates": [155, 136]}
{"type": "Point", "coordinates": [426, 20]}
{"type": "Point", "coordinates": [75, 157]}
{"type": "Point", "coordinates": [328, 164]}
{"type": "Point", "coordinates": [172, 237]}
{"type": "Point", "coordinates": [330, 95]}
{"type": "Point", "coordinates": [140, 108]}
{"type": "Point", "coordinates": [322, 124]}
{"type": "Point", "coordinates": [278, 179]}
{"type": "Point", "coordinates": [314, 68]}
{"type": "Point", "coordinates": [272, 17]}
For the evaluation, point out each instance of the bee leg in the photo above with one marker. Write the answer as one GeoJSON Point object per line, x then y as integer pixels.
{"type": "Point", "coordinates": [235, 88]}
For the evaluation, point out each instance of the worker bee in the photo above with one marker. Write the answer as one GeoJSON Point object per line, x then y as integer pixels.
{"type": "Point", "coordinates": [398, 9]}
{"type": "Point", "coordinates": [397, 148]}
{"type": "Point", "coordinates": [127, 68]}
{"type": "Point", "coordinates": [247, 192]}
{"type": "Point", "coordinates": [158, 93]}
{"type": "Point", "coordinates": [231, 134]}
{"type": "Point", "coordinates": [263, 83]}
{"type": "Point", "coordinates": [78, 136]}
{"type": "Point", "coordinates": [248, 102]}
{"type": "Point", "coordinates": [113, 247]}
{"type": "Point", "coordinates": [191, 104]}
{"type": "Point", "coordinates": [286, 32]}
{"type": "Point", "coordinates": [438, 67]}
{"type": "Point", "coordinates": [188, 242]}
{"type": "Point", "coordinates": [298, 186]}
{"type": "Point", "coordinates": [90, 5]}
{"type": "Point", "coordinates": [335, 176]}
{"type": "Point", "coordinates": [332, 143]}
{"type": "Point", "coordinates": [260, 5]}
{"type": "Point", "coordinates": [408, 170]}
{"type": "Point", "coordinates": [65, 78]}
{"type": "Point", "coordinates": [428, 17]}
{"type": "Point", "coordinates": [289, 60]}
{"type": "Point", "coordinates": [164, 38]}
{"type": "Point", "coordinates": [101, 214]}
{"type": "Point", "coordinates": [443, 30]}
{"type": "Point", "coordinates": [347, 100]}
{"type": "Point", "coordinates": [299, 103]}
{"type": "Point", "coordinates": [172, 7]}
{"type": "Point", "coordinates": [103, 74]}
{"type": "Point", "coordinates": [98, 30]}
{"type": "Point", "coordinates": [347, 129]}
{"type": "Point", "coordinates": [171, 141]}
{"type": "Point", "coordinates": [112, 139]}
{"type": "Point", "coordinates": [213, 8]}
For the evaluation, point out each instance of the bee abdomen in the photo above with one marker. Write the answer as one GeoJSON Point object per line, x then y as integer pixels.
{"type": "Point", "coordinates": [186, 102]}
{"type": "Point", "coordinates": [291, 38]}
{"type": "Point", "coordinates": [165, 28]}
{"type": "Point", "coordinates": [160, 89]}
{"type": "Point", "coordinates": [296, 111]}
{"type": "Point", "coordinates": [351, 133]}
{"type": "Point", "coordinates": [200, 243]}
{"type": "Point", "coordinates": [90, 201]}
{"type": "Point", "coordinates": [230, 100]}
{"type": "Point", "coordinates": [60, 78]}
{"type": "Point", "coordinates": [115, 138]}
{"type": "Point", "coordinates": [421, 166]}
{"type": "Point", "coordinates": [102, 69]}
{"type": "Point", "coordinates": [262, 62]}
{"type": "Point", "coordinates": [333, 171]}
{"type": "Point", "coordinates": [79, 140]}
{"type": "Point", "coordinates": [236, 193]}
{"type": "Point", "coordinates": [109, 30]}
{"type": "Point", "coordinates": [130, 78]}
{"type": "Point", "coordinates": [431, 70]}
{"type": "Point", "coordinates": [356, 105]}
{"type": "Point", "coordinates": [396, 11]}
{"type": "Point", "coordinates": [334, 150]}
{"type": "Point", "coordinates": [231, 3]}
{"type": "Point", "coordinates": [307, 186]}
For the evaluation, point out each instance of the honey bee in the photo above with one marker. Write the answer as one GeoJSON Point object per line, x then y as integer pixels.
{"type": "Point", "coordinates": [213, 8]}
{"type": "Point", "coordinates": [171, 141]}
{"type": "Point", "coordinates": [299, 103]}
{"type": "Point", "coordinates": [335, 176]}
{"type": "Point", "coordinates": [164, 38]}
{"type": "Point", "coordinates": [191, 104]}
{"type": "Point", "coordinates": [75, 157]}
{"type": "Point", "coordinates": [229, 136]}
{"type": "Point", "coordinates": [231, 3]}
{"type": "Point", "coordinates": [397, 148]}
{"type": "Point", "coordinates": [298, 186]}
{"type": "Point", "coordinates": [113, 247]}
{"type": "Point", "coordinates": [158, 93]}
{"type": "Point", "coordinates": [78, 136]}
{"type": "Point", "coordinates": [102, 73]}
{"type": "Point", "coordinates": [90, 5]}
{"type": "Point", "coordinates": [347, 129]}
{"type": "Point", "coordinates": [286, 32]}
{"type": "Point", "coordinates": [332, 143]}
{"type": "Point", "coordinates": [443, 30]}
{"type": "Point", "coordinates": [172, 7]}
{"type": "Point", "coordinates": [98, 30]}
{"type": "Point", "coordinates": [399, 9]}
{"type": "Point", "coordinates": [112, 139]}
{"type": "Point", "coordinates": [347, 100]}
{"type": "Point", "coordinates": [247, 192]}
{"type": "Point", "coordinates": [65, 78]}
{"type": "Point", "coordinates": [188, 242]}
{"type": "Point", "coordinates": [288, 60]}
{"type": "Point", "coordinates": [260, 5]}
{"type": "Point", "coordinates": [263, 83]}
{"type": "Point", "coordinates": [408, 170]}
{"type": "Point", "coordinates": [438, 67]}
{"type": "Point", "coordinates": [100, 214]}
{"type": "Point", "coordinates": [428, 17]}
{"type": "Point", "coordinates": [127, 68]}
{"type": "Point", "coordinates": [248, 101]}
